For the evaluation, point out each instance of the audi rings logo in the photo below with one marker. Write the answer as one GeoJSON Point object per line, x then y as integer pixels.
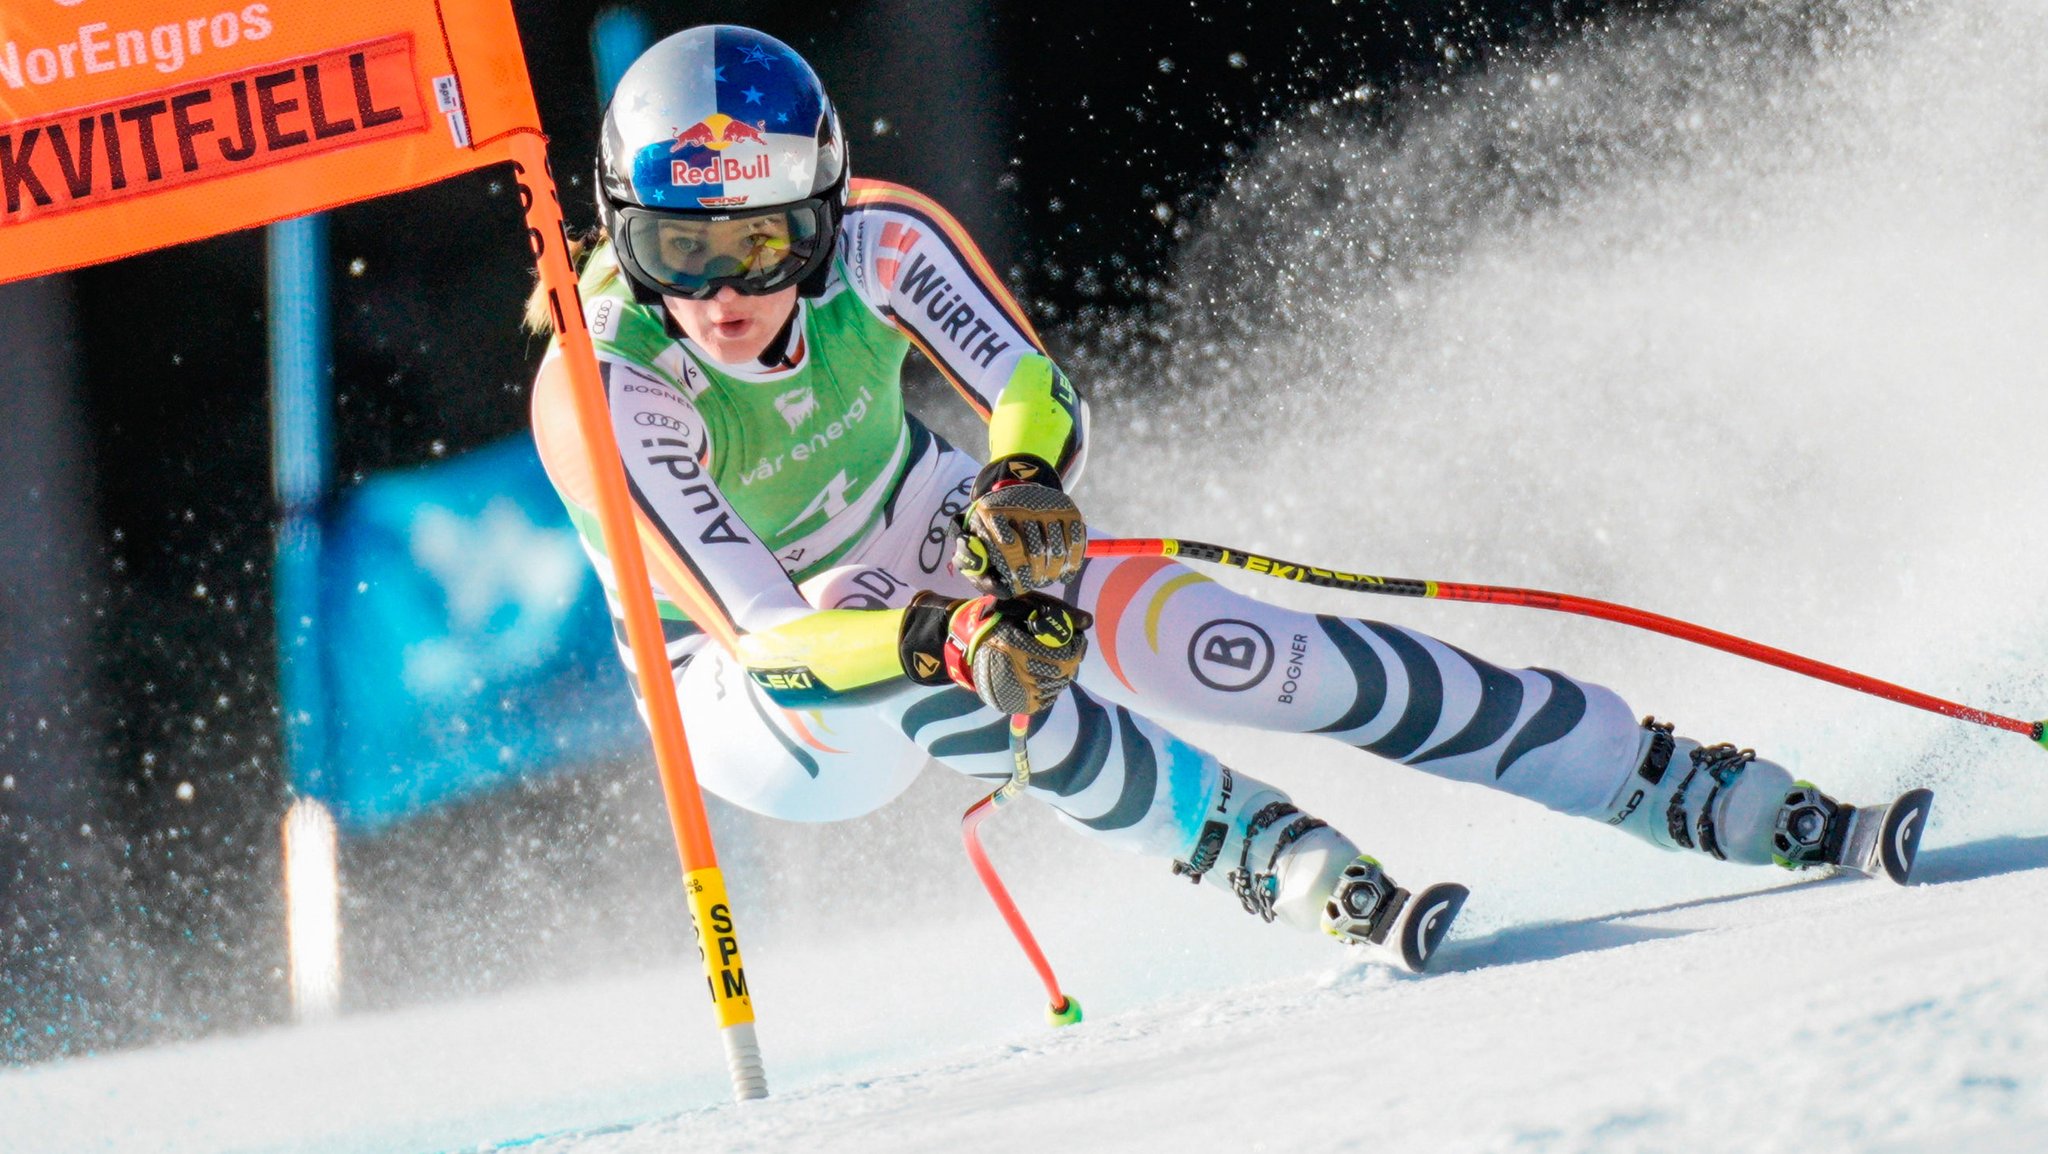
{"type": "Point", "coordinates": [1230, 655]}
{"type": "Point", "coordinates": [932, 553]}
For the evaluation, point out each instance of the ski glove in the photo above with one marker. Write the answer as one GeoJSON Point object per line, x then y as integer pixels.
{"type": "Point", "coordinates": [1020, 531]}
{"type": "Point", "coordinates": [1015, 654]}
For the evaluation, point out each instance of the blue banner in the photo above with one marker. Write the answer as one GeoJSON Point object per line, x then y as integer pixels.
{"type": "Point", "coordinates": [466, 639]}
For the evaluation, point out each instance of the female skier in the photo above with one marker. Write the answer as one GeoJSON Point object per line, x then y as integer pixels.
{"type": "Point", "coordinates": [846, 595]}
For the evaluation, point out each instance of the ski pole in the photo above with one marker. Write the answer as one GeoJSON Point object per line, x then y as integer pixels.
{"type": "Point", "coordinates": [1562, 603]}
{"type": "Point", "coordinates": [1061, 1010]}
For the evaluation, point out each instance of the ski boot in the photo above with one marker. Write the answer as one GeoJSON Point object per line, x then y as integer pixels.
{"type": "Point", "coordinates": [1367, 908]}
{"type": "Point", "coordinates": [1732, 805]}
{"type": "Point", "coordinates": [1814, 829]}
{"type": "Point", "coordinates": [1293, 868]}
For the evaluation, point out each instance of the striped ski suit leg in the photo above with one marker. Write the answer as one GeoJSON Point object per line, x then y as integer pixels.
{"type": "Point", "coordinates": [1173, 642]}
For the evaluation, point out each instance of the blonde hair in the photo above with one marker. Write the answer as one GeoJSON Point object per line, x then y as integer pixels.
{"type": "Point", "coordinates": [539, 318]}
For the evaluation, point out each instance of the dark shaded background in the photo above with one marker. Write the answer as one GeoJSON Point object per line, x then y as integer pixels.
{"type": "Point", "coordinates": [1073, 139]}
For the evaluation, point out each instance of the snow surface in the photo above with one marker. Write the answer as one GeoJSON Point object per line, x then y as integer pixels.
{"type": "Point", "coordinates": [1835, 1015]}
{"type": "Point", "coordinates": [1752, 337]}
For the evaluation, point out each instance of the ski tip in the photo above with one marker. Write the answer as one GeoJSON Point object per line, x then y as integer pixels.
{"type": "Point", "coordinates": [1429, 922]}
{"type": "Point", "coordinates": [1899, 838]}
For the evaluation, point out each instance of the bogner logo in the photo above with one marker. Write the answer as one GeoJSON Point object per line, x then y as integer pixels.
{"type": "Point", "coordinates": [927, 665]}
{"type": "Point", "coordinates": [797, 406]}
{"type": "Point", "coordinates": [1023, 470]}
{"type": "Point", "coordinates": [1229, 655]}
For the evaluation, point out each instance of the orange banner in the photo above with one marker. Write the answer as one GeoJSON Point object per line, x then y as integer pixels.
{"type": "Point", "coordinates": [208, 130]}
{"type": "Point", "coordinates": [128, 125]}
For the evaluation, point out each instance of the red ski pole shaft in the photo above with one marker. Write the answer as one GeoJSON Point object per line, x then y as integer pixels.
{"type": "Point", "coordinates": [1563, 603]}
{"type": "Point", "coordinates": [1061, 1010]}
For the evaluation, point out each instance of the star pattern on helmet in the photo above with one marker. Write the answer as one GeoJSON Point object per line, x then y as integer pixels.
{"type": "Point", "coordinates": [755, 54]}
{"type": "Point", "coordinates": [753, 94]}
{"type": "Point", "coordinates": [718, 73]}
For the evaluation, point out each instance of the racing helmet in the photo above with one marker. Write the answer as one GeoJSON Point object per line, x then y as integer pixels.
{"type": "Point", "coordinates": [721, 163]}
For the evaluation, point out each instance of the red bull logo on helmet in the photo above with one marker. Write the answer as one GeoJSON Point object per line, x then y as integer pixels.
{"type": "Point", "coordinates": [716, 132]}
{"type": "Point", "coordinates": [740, 132]}
{"type": "Point", "coordinates": [698, 134]}
{"type": "Point", "coordinates": [721, 170]}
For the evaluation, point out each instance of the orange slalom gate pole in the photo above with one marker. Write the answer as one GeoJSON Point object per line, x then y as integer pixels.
{"type": "Point", "coordinates": [710, 910]}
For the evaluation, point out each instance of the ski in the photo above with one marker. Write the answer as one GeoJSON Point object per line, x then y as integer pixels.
{"type": "Point", "coordinates": [1899, 836]}
{"type": "Point", "coordinates": [1426, 921]}
{"type": "Point", "coordinates": [1886, 839]}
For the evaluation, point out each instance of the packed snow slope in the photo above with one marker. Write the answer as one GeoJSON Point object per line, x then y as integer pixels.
{"type": "Point", "coordinates": [1836, 1015]}
{"type": "Point", "coordinates": [1735, 315]}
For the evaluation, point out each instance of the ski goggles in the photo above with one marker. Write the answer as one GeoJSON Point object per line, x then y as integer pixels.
{"type": "Point", "coordinates": [696, 254]}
